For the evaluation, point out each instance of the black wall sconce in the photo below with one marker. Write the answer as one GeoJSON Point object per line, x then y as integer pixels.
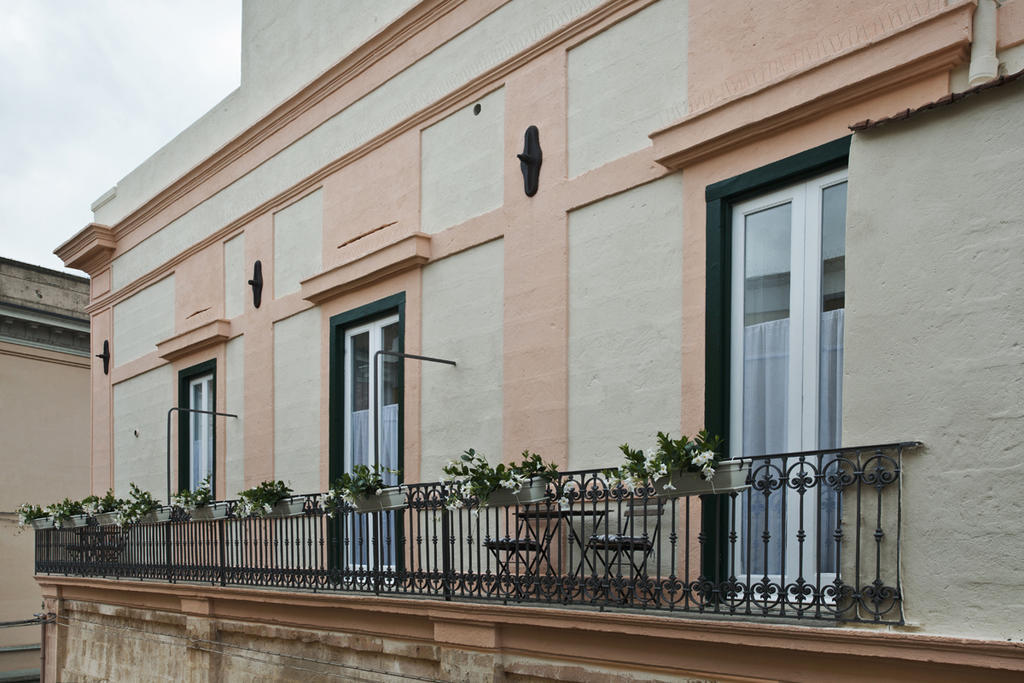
{"type": "Point", "coordinates": [105, 356]}
{"type": "Point", "coordinates": [530, 160]}
{"type": "Point", "coordinates": [257, 284]}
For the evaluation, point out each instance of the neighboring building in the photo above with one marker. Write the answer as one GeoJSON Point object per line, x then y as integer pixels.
{"type": "Point", "coordinates": [708, 245]}
{"type": "Point", "coordinates": [44, 423]}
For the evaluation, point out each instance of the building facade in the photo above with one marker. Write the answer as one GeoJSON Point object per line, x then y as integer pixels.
{"type": "Point", "coordinates": [705, 244]}
{"type": "Point", "coordinates": [44, 382]}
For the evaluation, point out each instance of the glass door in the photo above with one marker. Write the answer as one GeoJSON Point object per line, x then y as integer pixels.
{"type": "Point", "coordinates": [200, 445]}
{"type": "Point", "coordinates": [786, 355]}
{"type": "Point", "coordinates": [366, 405]}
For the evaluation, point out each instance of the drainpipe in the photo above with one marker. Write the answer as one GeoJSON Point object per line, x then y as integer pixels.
{"type": "Point", "coordinates": [984, 62]}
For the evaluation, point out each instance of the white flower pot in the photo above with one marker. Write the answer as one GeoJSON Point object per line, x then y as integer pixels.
{"type": "Point", "coordinates": [156, 516]}
{"type": "Point", "coordinates": [534, 491]}
{"type": "Point", "coordinates": [730, 475]}
{"type": "Point", "coordinates": [42, 523]}
{"type": "Point", "coordinates": [106, 518]}
{"type": "Point", "coordinates": [75, 521]}
{"type": "Point", "coordinates": [391, 498]}
{"type": "Point", "coordinates": [209, 512]}
{"type": "Point", "coordinates": [289, 507]}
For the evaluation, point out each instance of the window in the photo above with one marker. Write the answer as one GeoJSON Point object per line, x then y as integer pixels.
{"type": "Point", "coordinates": [773, 355]}
{"type": "Point", "coordinates": [786, 355]}
{"type": "Point", "coordinates": [357, 339]}
{"type": "Point", "coordinates": [196, 430]}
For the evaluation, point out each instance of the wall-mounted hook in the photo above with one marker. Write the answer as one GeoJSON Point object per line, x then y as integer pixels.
{"type": "Point", "coordinates": [257, 284]}
{"type": "Point", "coordinates": [105, 356]}
{"type": "Point", "coordinates": [530, 160]}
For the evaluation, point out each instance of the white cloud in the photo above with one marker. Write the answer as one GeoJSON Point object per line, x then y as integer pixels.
{"type": "Point", "coordinates": [89, 90]}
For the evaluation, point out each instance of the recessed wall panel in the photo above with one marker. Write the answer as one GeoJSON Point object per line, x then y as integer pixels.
{"type": "Point", "coordinates": [625, 321]}
{"type": "Point", "coordinates": [234, 428]}
{"type": "Point", "coordinates": [625, 83]}
{"type": "Point", "coordinates": [235, 278]}
{"type": "Point", "coordinates": [297, 401]}
{"type": "Point", "coordinates": [142, 320]}
{"type": "Point", "coordinates": [461, 407]}
{"type": "Point", "coordinates": [298, 243]}
{"type": "Point", "coordinates": [140, 431]}
{"type": "Point", "coordinates": [462, 161]}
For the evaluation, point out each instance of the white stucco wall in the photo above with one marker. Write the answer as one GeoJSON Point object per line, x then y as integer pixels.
{"type": "Point", "coordinates": [462, 164]}
{"type": "Point", "coordinates": [287, 44]}
{"type": "Point", "coordinates": [625, 321]}
{"type": "Point", "coordinates": [235, 277]}
{"type": "Point", "coordinates": [142, 320]}
{"type": "Point", "coordinates": [935, 304]}
{"type": "Point", "coordinates": [502, 34]}
{"type": "Point", "coordinates": [463, 311]}
{"type": "Point", "coordinates": [234, 428]}
{"type": "Point", "coordinates": [297, 401]}
{"type": "Point", "coordinates": [625, 83]}
{"type": "Point", "coordinates": [140, 431]}
{"type": "Point", "coordinates": [298, 242]}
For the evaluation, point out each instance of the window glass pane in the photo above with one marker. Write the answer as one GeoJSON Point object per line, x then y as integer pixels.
{"type": "Point", "coordinates": [201, 428]}
{"type": "Point", "coordinates": [766, 280]}
{"type": "Point", "coordinates": [389, 395]}
{"type": "Point", "coordinates": [766, 277]}
{"type": "Point", "coordinates": [359, 372]}
{"type": "Point", "coordinates": [833, 295]}
{"type": "Point", "coordinates": [833, 247]}
{"type": "Point", "coordinates": [766, 269]}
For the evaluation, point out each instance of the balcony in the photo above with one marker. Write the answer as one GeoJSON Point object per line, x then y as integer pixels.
{"type": "Point", "coordinates": [815, 538]}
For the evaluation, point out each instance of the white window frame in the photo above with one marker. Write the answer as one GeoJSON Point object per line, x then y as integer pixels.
{"type": "Point", "coordinates": [206, 433]}
{"type": "Point", "coordinates": [804, 316]}
{"type": "Point", "coordinates": [375, 328]}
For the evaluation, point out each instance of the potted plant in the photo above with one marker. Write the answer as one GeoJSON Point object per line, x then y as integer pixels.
{"type": "Point", "coordinates": [681, 467]}
{"type": "Point", "coordinates": [364, 489]}
{"type": "Point", "coordinates": [29, 514]}
{"type": "Point", "coordinates": [199, 504]}
{"type": "Point", "coordinates": [66, 514]}
{"type": "Point", "coordinates": [269, 499]}
{"type": "Point", "coordinates": [471, 476]}
{"type": "Point", "coordinates": [102, 509]}
{"type": "Point", "coordinates": [141, 508]}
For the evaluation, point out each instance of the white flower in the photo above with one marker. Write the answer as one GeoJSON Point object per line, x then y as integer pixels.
{"type": "Point", "coordinates": [563, 503]}
{"type": "Point", "coordinates": [708, 471]}
{"type": "Point", "coordinates": [669, 487]}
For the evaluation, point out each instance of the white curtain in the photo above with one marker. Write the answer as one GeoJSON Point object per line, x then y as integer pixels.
{"type": "Point", "coordinates": [765, 416]}
{"type": "Point", "coordinates": [360, 442]}
{"type": "Point", "coordinates": [360, 552]}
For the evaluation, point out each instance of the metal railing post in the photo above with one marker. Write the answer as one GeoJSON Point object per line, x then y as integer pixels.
{"type": "Point", "coordinates": [446, 554]}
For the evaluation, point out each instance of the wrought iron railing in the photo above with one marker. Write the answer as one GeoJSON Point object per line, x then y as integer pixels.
{"type": "Point", "coordinates": [815, 536]}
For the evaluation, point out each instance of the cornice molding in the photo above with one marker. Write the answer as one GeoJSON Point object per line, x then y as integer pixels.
{"type": "Point", "coordinates": [204, 336]}
{"type": "Point", "coordinates": [350, 67]}
{"type": "Point", "coordinates": [471, 90]}
{"type": "Point", "coordinates": [809, 93]}
{"type": "Point", "coordinates": [408, 252]}
{"type": "Point", "coordinates": [89, 250]}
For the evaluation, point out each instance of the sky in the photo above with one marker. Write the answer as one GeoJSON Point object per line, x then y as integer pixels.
{"type": "Point", "coordinates": [88, 90]}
